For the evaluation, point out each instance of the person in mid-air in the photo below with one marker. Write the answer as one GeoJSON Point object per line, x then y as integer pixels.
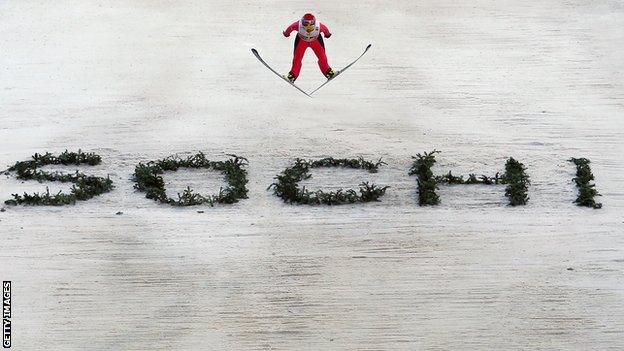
{"type": "Point", "coordinates": [309, 36]}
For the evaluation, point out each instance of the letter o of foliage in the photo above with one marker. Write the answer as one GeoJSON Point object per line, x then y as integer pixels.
{"type": "Point", "coordinates": [149, 180]}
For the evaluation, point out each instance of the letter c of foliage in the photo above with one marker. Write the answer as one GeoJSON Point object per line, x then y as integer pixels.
{"type": "Point", "coordinates": [148, 179]}
{"type": "Point", "coordinates": [84, 188]}
{"type": "Point", "coordinates": [287, 185]}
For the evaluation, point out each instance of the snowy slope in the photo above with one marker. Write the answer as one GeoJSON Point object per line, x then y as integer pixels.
{"type": "Point", "coordinates": [480, 81]}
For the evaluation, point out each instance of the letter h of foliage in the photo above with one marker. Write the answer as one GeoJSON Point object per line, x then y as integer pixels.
{"type": "Point", "coordinates": [583, 178]}
{"type": "Point", "coordinates": [84, 188]}
{"type": "Point", "coordinates": [287, 185]}
{"type": "Point", "coordinates": [515, 177]}
{"type": "Point", "coordinates": [148, 179]}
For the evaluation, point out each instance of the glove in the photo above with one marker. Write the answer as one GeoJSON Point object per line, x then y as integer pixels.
{"type": "Point", "coordinates": [286, 34]}
{"type": "Point", "coordinates": [327, 35]}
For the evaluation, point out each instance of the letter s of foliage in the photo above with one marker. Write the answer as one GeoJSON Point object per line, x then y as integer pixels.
{"type": "Point", "coordinates": [84, 188]}
{"type": "Point", "coordinates": [148, 179]}
{"type": "Point", "coordinates": [287, 185]}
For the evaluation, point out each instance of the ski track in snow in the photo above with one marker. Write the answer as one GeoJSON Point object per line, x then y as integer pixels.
{"type": "Point", "coordinates": [138, 81]}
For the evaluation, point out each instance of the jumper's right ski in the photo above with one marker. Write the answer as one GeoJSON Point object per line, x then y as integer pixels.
{"type": "Point", "coordinates": [342, 70]}
{"type": "Point", "coordinates": [255, 52]}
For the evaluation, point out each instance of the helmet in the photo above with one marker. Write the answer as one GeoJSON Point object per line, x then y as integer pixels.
{"type": "Point", "coordinates": [308, 18]}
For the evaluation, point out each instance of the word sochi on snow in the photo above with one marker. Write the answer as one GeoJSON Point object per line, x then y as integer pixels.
{"type": "Point", "coordinates": [148, 179]}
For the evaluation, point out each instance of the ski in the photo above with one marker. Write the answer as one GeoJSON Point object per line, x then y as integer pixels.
{"type": "Point", "coordinates": [255, 52]}
{"type": "Point", "coordinates": [342, 70]}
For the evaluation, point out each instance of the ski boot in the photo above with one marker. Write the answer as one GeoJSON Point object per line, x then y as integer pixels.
{"type": "Point", "coordinates": [290, 77]}
{"type": "Point", "coordinates": [329, 74]}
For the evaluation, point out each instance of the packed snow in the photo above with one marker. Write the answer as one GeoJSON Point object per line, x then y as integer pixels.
{"type": "Point", "coordinates": [481, 81]}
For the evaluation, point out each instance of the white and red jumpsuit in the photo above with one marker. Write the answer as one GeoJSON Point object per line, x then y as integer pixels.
{"type": "Point", "coordinates": [306, 40]}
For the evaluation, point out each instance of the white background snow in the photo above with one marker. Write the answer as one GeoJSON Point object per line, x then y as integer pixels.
{"type": "Point", "coordinates": [134, 81]}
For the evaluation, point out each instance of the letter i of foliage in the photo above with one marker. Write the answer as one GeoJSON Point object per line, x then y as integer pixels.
{"type": "Point", "coordinates": [84, 188]}
{"type": "Point", "coordinates": [287, 185]}
{"type": "Point", "coordinates": [584, 176]}
{"type": "Point", "coordinates": [149, 180]}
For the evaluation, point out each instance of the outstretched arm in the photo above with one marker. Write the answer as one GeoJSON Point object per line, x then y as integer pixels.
{"type": "Point", "coordinates": [325, 31]}
{"type": "Point", "coordinates": [291, 28]}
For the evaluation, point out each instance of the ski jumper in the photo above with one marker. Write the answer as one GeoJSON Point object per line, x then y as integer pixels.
{"type": "Point", "coordinates": [306, 40]}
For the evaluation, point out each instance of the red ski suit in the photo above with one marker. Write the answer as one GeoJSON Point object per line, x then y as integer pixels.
{"type": "Point", "coordinates": [306, 40]}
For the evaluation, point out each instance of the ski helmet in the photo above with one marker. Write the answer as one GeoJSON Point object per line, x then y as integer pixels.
{"type": "Point", "coordinates": [308, 18]}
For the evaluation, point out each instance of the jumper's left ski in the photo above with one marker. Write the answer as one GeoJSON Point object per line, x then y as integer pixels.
{"type": "Point", "coordinates": [342, 70]}
{"type": "Point", "coordinates": [255, 52]}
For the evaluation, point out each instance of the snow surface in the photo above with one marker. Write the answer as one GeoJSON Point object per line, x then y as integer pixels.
{"type": "Point", "coordinates": [541, 81]}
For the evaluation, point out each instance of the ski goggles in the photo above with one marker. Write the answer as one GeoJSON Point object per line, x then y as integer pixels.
{"type": "Point", "coordinates": [307, 23]}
